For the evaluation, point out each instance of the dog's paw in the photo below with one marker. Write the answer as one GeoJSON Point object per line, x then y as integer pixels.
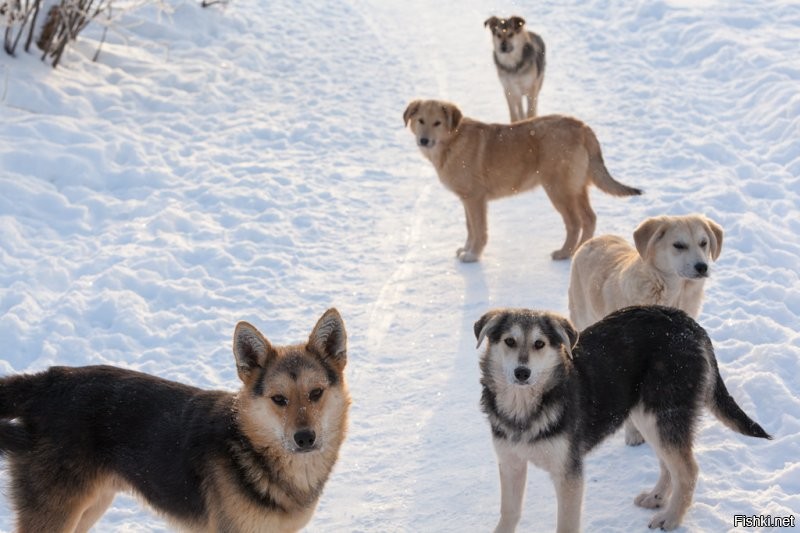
{"type": "Point", "coordinates": [664, 521]}
{"type": "Point", "coordinates": [467, 257]}
{"type": "Point", "coordinates": [506, 526]}
{"type": "Point", "coordinates": [560, 255]}
{"type": "Point", "coordinates": [633, 437]}
{"type": "Point", "coordinates": [648, 500]}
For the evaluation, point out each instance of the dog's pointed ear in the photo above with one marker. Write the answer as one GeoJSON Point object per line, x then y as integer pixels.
{"type": "Point", "coordinates": [250, 349]}
{"type": "Point", "coordinates": [484, 325]}
{"type": "Point", "coordinates": [714, 231]}
{"type": "Point", "coordinates": [516, 22]}
{"type": "Point", "coordinates": [647, 234]}
{"type": "Point", "coordinates": [411, 110]}
{"type": "Point", "coordinates": [569, 335]}
{"type": "Point", "coordinates": [452, 115]}
{"type": "Point", "coordinates": [491, 22]}
{"type": "Point", "coordinates": [328, 340]}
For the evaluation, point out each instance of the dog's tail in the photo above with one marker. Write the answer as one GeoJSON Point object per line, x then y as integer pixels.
{"type": "Point", "coordinates": [599, 173]}
{"type": "Point", "coordinates": [14, 392]}
{"type": "Point", "coordinates": [725, 407]}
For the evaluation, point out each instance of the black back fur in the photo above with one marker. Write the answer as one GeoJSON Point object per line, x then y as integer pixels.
{"type": "Point", "coordinates": [655, 356]}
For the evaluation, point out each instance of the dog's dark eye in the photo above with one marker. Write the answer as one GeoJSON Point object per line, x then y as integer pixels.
{"type": "Point", "coordinates": [510, 342]}
{"type": "Point", "coordinates": [679, 246]}
{"type": "Point", "coordinates": [280, 400]}
{"type": "Point", "coordinates": [539, 344]}
{"type": "Point", "coordinates": [703, 243]}
{"type": "Point", "coordinates": [315, 395]}
{"type": "Point", "coordinates": [422, 122]}
{"type": "Point", "coordinates": [437, 123]}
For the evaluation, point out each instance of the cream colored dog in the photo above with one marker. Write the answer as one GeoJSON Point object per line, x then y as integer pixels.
{"type": "Point", "coordinates": [668, 266]}
{"type": "Point", "coordinates": [480, 162]}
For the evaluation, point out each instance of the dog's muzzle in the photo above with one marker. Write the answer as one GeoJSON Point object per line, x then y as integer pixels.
{"type": "Point", "coordinates": [506, 47]}
{"type": "Point", "coordinates": [522, 374]}
{"type": "Point", "coordinates": [426, 143]}
{"type": "Point", "coordinates": [305, 439]}
{"type": "Point", "coordinates": [701, 269]}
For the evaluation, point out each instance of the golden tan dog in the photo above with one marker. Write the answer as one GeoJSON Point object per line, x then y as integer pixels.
{"type": "Point", "coordinates": [668, 266]}
{"type": "Point", "coordinates": [480, 162]}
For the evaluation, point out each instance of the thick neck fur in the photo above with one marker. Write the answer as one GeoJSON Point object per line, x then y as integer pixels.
{"type": "Point", "coordinates": [517, 61]}
{"type": "Point", "coordinates": [447, 149]}
{"type": "Point", "coordinates": [522, 413]}
{"type": "Point", "coordinates": [438, 155]}
{"type": "Point", "coordinates": [667, 288]}
{"type": "Point", "coordinates": [280, 478]}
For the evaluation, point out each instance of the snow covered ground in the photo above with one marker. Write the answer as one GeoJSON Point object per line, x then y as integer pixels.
{"type": "Point", "coordinates": [249, 162]}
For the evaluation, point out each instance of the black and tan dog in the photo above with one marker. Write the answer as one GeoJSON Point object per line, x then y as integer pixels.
{"type": "Point", "coordinates": [519, 56]}
{"type": "Point", "coordinates": [207, 461]}
{"type": "Point", "coordinates": [551, 398]}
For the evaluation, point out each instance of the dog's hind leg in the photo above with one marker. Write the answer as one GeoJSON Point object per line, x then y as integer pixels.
{"type": "Point", "coordinates": [632, 435]}
{"type": "Point", "coordinates": [49, 494]}
{"type": "Point", "coordinates": [513, 473]}
{"type": "Point", "coordinates": [656, 497]}
{"type": "Point", "coordinates": [59, 515]}
{"type": "Point", "coordinates": [683, 477]}
{"type": "Point", "coordinates": [587, 216]}
{"type": "Point", "coordinates": [568, 209]}
{"type": "Point", "coordinates": [95, 510]}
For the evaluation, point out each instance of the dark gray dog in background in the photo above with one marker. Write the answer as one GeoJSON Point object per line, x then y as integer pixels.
{"type": "Point", "coordinates": [519, 58]}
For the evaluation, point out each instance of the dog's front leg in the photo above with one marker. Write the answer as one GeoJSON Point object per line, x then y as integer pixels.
{"type": "Point", "coordinates": [532, 100]}
{"type": "Point", "coordinates": [477, 235]}
{"type": "Point", "coordinates": [468, 244]}
{"type": "Point", "coordinates": [513, 473]}
{"type": "Point", "coordinates": [569, 493]}
{"type": "Point", "coordinates": [514, 106]}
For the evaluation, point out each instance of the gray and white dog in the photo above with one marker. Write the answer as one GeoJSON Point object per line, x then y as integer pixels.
{"type": "Point", "coordinates": [519, 58]}
{"type": "Point", "coordinates": [551, 398]}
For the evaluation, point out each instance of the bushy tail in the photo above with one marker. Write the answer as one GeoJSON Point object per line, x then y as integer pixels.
{"type": "Point", "coordinates": [729, 413]}
{"type": "Point", "coordinates": [14, 392]}
{"type": "Point", "coordinates": [599, 173]}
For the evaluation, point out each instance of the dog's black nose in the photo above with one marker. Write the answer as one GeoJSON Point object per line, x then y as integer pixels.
{"type": "Point", "coordinates": [424, 141]}
{"type": "Point", "coordinates": [522, 373]}
{"type": "Point", "coordinates": [305, 439]}
{"type": "Point", "coordinates": [701, 268]}
{"type": "Point", "coordinates": [505, 47]}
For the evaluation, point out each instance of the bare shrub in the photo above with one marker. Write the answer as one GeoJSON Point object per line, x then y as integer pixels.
{"type": "Point", "coordinates": [63, 22]}
{"type": "Point", "coordinates": [20, 17]}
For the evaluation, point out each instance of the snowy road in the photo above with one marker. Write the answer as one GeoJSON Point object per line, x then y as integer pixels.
{"type": "Point", "coordinates": [249, 162]}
